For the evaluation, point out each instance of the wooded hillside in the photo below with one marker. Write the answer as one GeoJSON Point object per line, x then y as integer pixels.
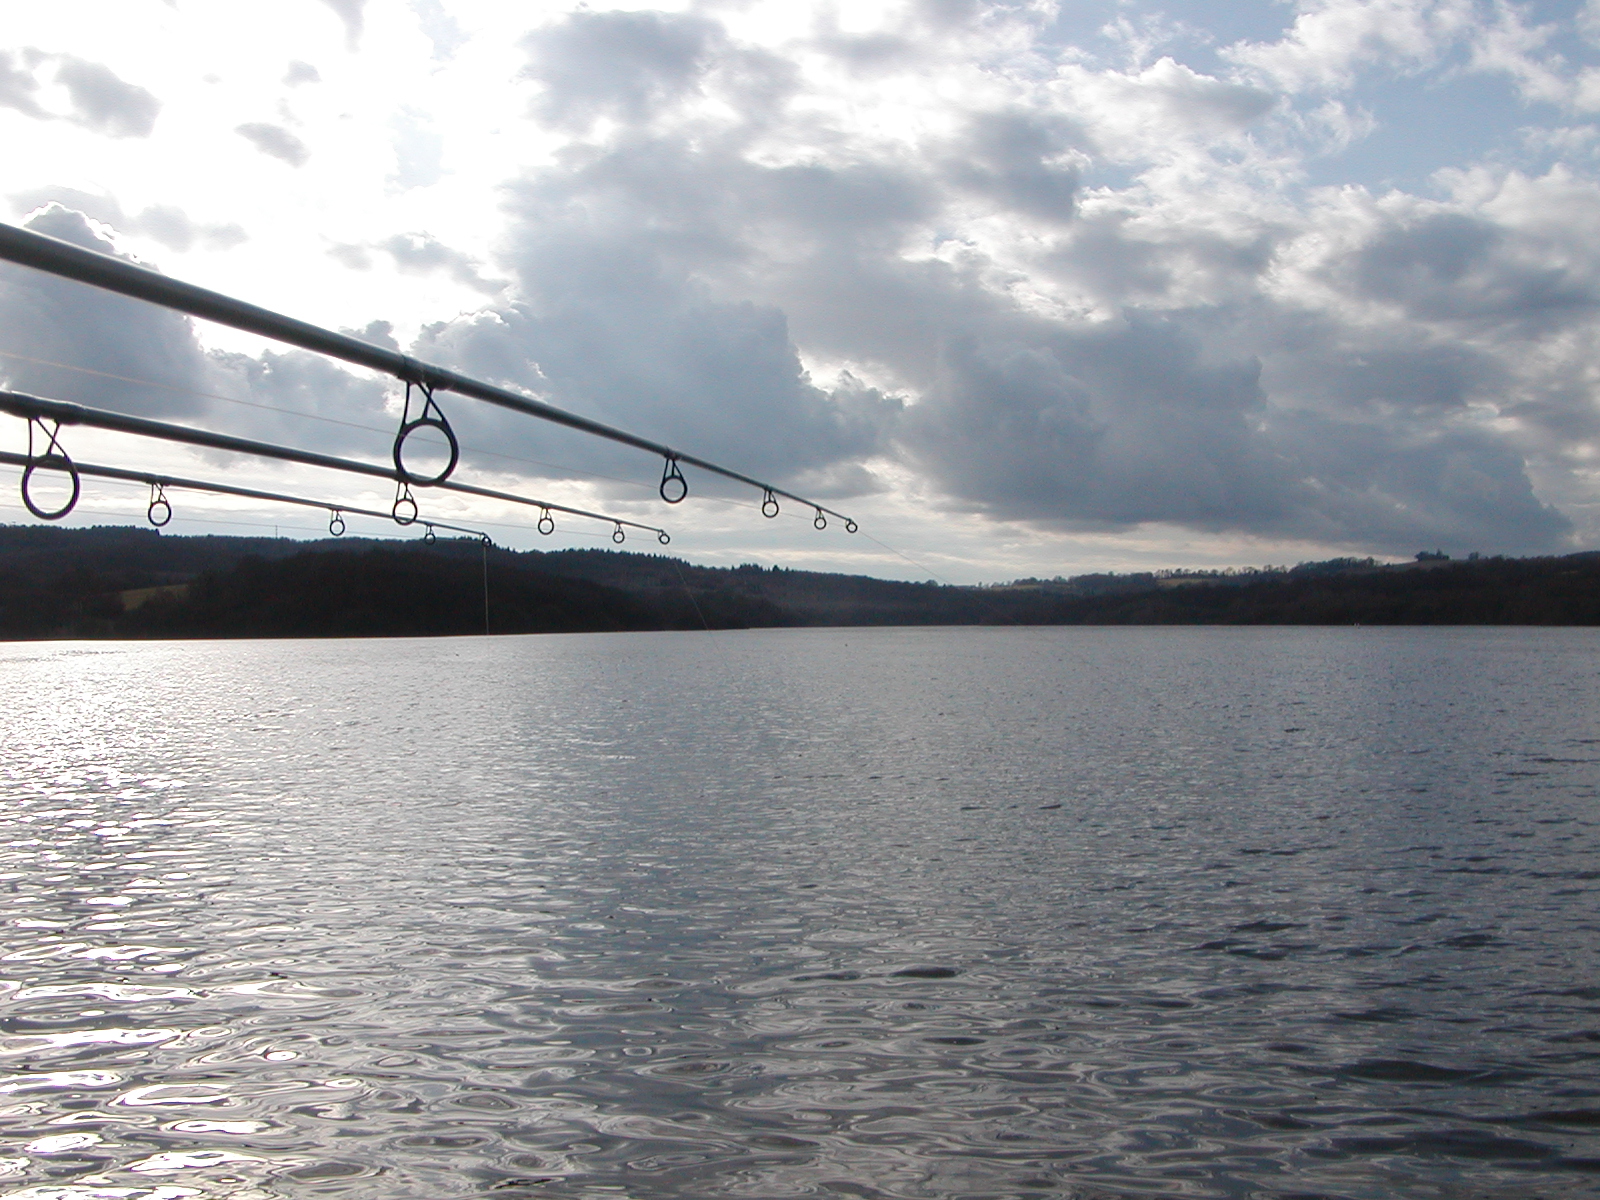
{"type": "Point", "coordinates": [112, 582]}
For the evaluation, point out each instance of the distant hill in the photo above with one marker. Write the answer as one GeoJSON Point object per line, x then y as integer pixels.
{"type": "Point", "coordinates": [118, 582]}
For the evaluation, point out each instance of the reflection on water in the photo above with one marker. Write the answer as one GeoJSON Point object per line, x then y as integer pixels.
{"type": "Point", "coordinates": [873, 913]}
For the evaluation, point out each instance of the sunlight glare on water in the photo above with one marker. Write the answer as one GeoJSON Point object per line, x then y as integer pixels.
{"type": "Point", "coordinates": [877, 913]}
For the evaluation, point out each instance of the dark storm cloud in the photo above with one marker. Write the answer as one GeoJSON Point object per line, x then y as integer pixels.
{"type": "Point", "coordinates": [1132, 422]}
{"type": "Point", "coordinates": [276, 142]}
{"type": "Point", "coordinates": [1450, 266]}
{"type": "Point", "coordinates": [1380, 374]}
{"type": "Point", "coordinates": [1105, 427]}
{"type": "Point", "coordinates": [1455, 491]}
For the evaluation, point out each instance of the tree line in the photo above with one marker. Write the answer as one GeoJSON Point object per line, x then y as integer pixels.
{"type": "Point", "coordinates": [117, 582]}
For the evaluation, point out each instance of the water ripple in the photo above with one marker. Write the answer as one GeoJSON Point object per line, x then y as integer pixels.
{"type": "Point", "coordinates": [895, 913]}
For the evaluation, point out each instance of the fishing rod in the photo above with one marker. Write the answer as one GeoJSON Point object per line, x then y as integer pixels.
{"type": "Point", "coordinates": [44, 253]}
{"type": "Point", "coordinates": [37, 410]}
{"type": "Point", "coordinates": [160, 510]}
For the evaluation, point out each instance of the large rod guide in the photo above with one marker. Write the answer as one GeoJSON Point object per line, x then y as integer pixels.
{"type": "Point", "coordinates": [45, 253]}
{"type": "Point", "coordinates": [37, 410]}
{"type": "Point", "coordinates": [160, 510]}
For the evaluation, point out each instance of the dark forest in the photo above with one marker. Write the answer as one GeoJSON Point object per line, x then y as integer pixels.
{"type": "Point", "coordinates": [118, 582]}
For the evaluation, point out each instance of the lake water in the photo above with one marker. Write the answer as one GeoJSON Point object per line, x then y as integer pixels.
{"type": "Point", "coordinates": [873, 913]}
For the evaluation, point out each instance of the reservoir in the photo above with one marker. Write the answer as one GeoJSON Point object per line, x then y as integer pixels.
{"type": "Point", "coordinates": [880, 913]}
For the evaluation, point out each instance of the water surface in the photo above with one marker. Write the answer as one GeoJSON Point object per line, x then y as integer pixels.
{"type": "Point", "coordinates": [876, 913]}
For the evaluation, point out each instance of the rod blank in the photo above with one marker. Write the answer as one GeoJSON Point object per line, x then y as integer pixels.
{"type": "Point", "coordinates": [44, 253]}
{"type": "Point", "coordinates": [36, 407]}
{"type": "Point", "coordinates": [225, 489]}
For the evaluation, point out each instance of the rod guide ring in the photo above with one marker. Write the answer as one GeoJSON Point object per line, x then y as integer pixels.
{"type": "Point", "coordinates": [674, 487]}
{"type": "Point", "coordinates": [54, 458]}
{"type": "Point", "coordinates": [405, 511]}
{"type": "Point", "coordinates": [158, 503]}
{"type": "Point", "coordinates": [409, 425]}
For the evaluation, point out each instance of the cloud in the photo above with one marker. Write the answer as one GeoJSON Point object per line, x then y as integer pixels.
{"type": "Point", "coordinates": [1451, 266]}
{"type": "Point", "coordinates": [97, 98]}
{"type": "Point", "coordinates": [301, 72]}
{"type": "Point", "coordinates": [1332, 41]}
{"type": "Point", "coordinates": [165, 223]}
{"type": "Point", "coordinates": [106, 103]}
{"type": "Point", "coordinates": [288, 390]}
{"type": "Point", "coordinates": [140, 358]}
{"type": "Point", "coordinates": [18, 87]}
{"type": "Point", "coordinates": [722, 379]}
{"type": "Point", "coordinates": [422, 253]}
{"type": "Point", "coordinates": [1027, 164]}
{"type": "Point", "coordinates": [1458, 491]}
{"type": "Point", "coordinates": [351, 256]}
{"type": "Point", "coordinates": [1187, 350]}
{"type": "Point", "coordinates": [172, 227]}
{"type": "Point", "coordinates": [1097, 428]}
{"type": "Point", "coordinates": [1165, 101]}
{"type": "Point", "coordinates": [55, 320]}
{"type": "Point", "coordinates": [350, 12]}
{"type": "Point", "coordinates": [417, 254]}
{"type": "Point", "coordinates": [276, 142]}
{"type": "Point", "coordinates": [625, 65]}
{"type": "Point", "coordinates": [1116, 425]}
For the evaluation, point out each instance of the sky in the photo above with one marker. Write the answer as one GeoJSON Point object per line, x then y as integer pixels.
{"type": "Point", "coordinates": [1026, 289]}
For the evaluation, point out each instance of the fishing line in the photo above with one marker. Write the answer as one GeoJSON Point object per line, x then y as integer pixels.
{"type": "Point", "coordinates": [183, 391]}
{"type": "Point", "coordinates": [679, 569]}
{"type": "Point", "coordinates": [909, 559]}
